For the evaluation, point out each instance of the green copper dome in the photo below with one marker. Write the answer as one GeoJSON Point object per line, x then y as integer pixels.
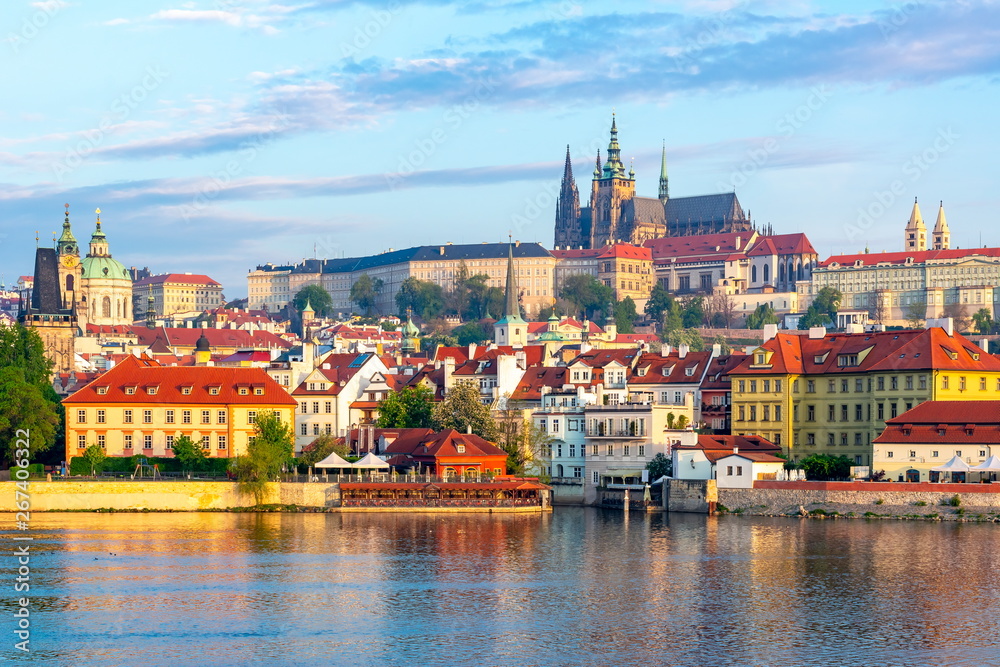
{"type": "Point", "coordinates": [104, 268]}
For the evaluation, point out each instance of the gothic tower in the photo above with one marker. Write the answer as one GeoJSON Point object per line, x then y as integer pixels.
{"type": "Point", "coordinates": [916, 230]}
{"type": "Point", "coordinates": [511, 329]}
{"type": "Point", "coordinates": [568, 229]}
{"type": "Point", "coordinates": [941, 234]}
{"type": "Point", "coordinates": [609, 190]}
{"type": "Point", "coordinates": [664, 183]}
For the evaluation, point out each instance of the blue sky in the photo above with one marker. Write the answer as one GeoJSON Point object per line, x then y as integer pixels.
{"type": "Point", "coordinates": [219, 134]}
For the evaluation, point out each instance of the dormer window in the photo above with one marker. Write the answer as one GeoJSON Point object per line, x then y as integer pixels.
{"type": "Point", "coordinates": [258, 391]}
{"type": "Point", "coordinates": [460, 449]}
{"type": "Point", "coordinates": [845, 360]}
{"type": "Point", "coordinates": [152, 390]}
{"type": "Point", "coordinates": [186, 391]}
{"type": "Point", "coordinates": [102, 390]}
{"type": "Point", "coordinates": [129, 390]}
{"type": "Point", "coordinates": [244, 391]}
{"type": "Point", "coordinates": [213, 391]}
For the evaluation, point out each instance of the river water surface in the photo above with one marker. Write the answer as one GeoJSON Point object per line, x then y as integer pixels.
{"type": "Point", "coordinates": [579, 586]}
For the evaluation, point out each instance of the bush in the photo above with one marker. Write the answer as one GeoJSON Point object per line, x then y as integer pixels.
{"type": "Point", "coordinates": [921, 503]}
{"type": "Point", "coordinates": [954, 501]}
{"type": "Point", "coordinates": [879, 501]}
{"type": "Point", "coordinates": [126, 464]}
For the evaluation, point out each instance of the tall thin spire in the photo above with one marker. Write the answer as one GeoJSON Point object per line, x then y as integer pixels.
{"type": "Point", "coordinates": [664, 183]}
{"type": "Point", "coordinates": [567, 168]}
{"type": "Point", "coordinates": [512, 312]}
{"type": "Point", "coordinates": [597, 167]}
{"type": "Point", "coordinates": [916, 231]}
{"type": "Point", "coordinates": [614, 167]}
{"type": "Point", "coordinates": [67, 242]}
{"type": "Point", "coordinates": [941, 234]}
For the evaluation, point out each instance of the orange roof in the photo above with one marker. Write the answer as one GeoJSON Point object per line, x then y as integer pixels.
{"type": "Point", "coordinates": [626, 251]}
{"type": "Point", "coordinates": [189, 278]}
{"type": "Point", "coordinates": [918, 256]}
{"type": "Point", "coordinates": [215, 385]}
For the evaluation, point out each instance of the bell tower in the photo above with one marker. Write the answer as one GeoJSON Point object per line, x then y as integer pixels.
{"type": "Point", "coordinates": [70, 269]}
{"type": "Point", "coordinates": [611, 188]}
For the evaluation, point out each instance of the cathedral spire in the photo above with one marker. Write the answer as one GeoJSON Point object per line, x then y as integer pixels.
{"type": "Point", "coordinates": [98, 242]}
{"type": "Point", "coordinates": [916, 230]}
{"type": "Point", "coordinates": [614, 167]}
{"type": "Point", "coordinates": [510, 329]}
{"type": "Point", "coordinates": [664, 183]}
{"type": "Point", "coordinates": [597, 168]}
{"type": "Point", "coordinates": [67, 242]}
{"type": "Point", "coordinates": [567, 169]}
{"type": "Point", "coordinates": [942, 234]}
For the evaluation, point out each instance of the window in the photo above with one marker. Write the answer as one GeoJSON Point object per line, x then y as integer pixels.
{"type": "Point", "coordinates": [894, 382]}
{"type": "Point", "coordinates": [729, 471]}
{"type": "Point", "coordinates": [934, 454]}
{"type": "Point", "coordinates": [743, 386]}
{"type": "Point", "coordinates": [206, 443]}
{"type": "Point", "coordinates": [982, 453]}
{"type": "Point", "coordinates": [843, 413]}
{"type": "Point", "coordinates": [844, 386]}
{"type": "Point", "coordinates": [857, 439]}
{"type": "Point", "coordinates": [831, 413]}
{"type": "Point", "coordinates": [777, 386]}
{"type": "Point", "coordinates": [810, 413]}
{"type": "Point", "coordinates": [170, 442]}
{"type": "Point", "coordinates": [315, 429]}
{"type": "Point", "coordinates": [206, 416]}
{"type": "Point", "coordinates": [572, 450]}
{"type": "Point", "coordinates": [328, 407]}
{"type": "Point", "coordinates": [944, 382]}
{"type": "Point", "coordinates": [642, 450]}
{"type": "Point", "coordinates": [810, 386]}
{"type": "Point", "coordinates": [152, 390]}
{"type": "Point", "coordinates": [753, 386]}
{"type": "Point", "coordinates": [908, 382]}
{"type": "Point", "coordinates": [831, 439]}
{"type": "Point", "coordinates": [147, 442]}
{"type": "Point", "coordinates": [305, 407]}
{"type": "Point", "coordinates": [214, 391]}
{"type": "Point", "coordinates": [221, 416]}
{"type": "Point", "coordinates": [611, 450]}
{"type": "Point", "coordinates": [102, 441]}
{"type": "Point", "coordinates": [572, 425]}
{"type": "Point", "coordinates": [753, 413]}
{"type": "Point", "coordinates": [765, 413]}
{"type": "Point", "coordinates": [170, 417]}
{"type": "Point", "coordinates": [958, 452]}
{"type": "Point", "coordinates": [767, 386]}
{"type": "Point", "coordinates": [243, 391]}
{"type": "Point", "coordinates": [913, 453]}
{"type": "Point", "coordinates": [81, 441]}
{"type": "Point", "coordinates": [596, 478]}
{"type": "Point", "coordinates": [625, 450]}
{"type": "Point", "coordinates": [81, 416]}
{"type": "Point", "coordinates": [305, 429]}
{"type": "Point", "coordinates": [740, 414]}
{"type": "Point", "coordinates": [922, 382]}
{"type": "Point", "coordinates": [892, 410]}
{"type": "Point", "coordinates": [147, 416]}
{"type": "Point", "coordinates": [185, 416]}
{"type": "Point", "coordinates": [831, 386]}
{"type": "Point", "coordinates": [881, 412]}
{"type": "Point", "coordinates": [251, 416]}
{"type": "Point", "coordinates": [186, 391]}
{"type": "Point", "coordinates": [128, 441]}
{"type": "Point", "coordinates": [858, 385]}
{"type": "Point", "coordinates": [315, 407]}
{"type": "Point", "coordinates": [880, 383]}
{"type": "Point", "coordinates": [810, 438]}
{"type": "Point", "coordinates": [982, 384]}
{"type": "Point", "coordinates": [259, 391]}
{"type": "Point", "coordinates": [888, 455]}
{"type": "Point", "coordinates": [102, 390]}
{"type": "Point", "coordinates": [859, 412]}
{"type": "Point", "coordinates": [777, 414]}
{"type": "Point", "coordinates": [961, 383]}
{"type": "Point", "coordinates": [101, 417]}
{"type": "Point", "coordinates": [739, 471]}
{"type": "Point", "coordinates": [555, 425]}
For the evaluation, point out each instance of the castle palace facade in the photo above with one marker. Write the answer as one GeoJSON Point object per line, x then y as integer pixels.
{"type": "Point", "coordinates": [617, 215]}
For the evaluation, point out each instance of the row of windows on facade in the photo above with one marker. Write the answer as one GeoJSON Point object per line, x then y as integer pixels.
{"type": "Point", "coordinates": [935, 454]}
{"type": "Point", "coordinates": [862, 412]}
{"type": "Point", "coordinates": [860, 439]}
{"type": "Point", "coordinates": [152, 390]}
{"type": "Point", "coordinates": [595, 450]}
{"type": "Point", "coordinates": [147, 441]}
{"type": "Point", "coordinates": [860, 384]}
{"type": "Point", "coordinates": [169, 416]}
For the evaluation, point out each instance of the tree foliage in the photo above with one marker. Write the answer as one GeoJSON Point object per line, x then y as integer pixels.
{"type": "Point", "coordinates": [413, 407]}
{"type": "Point", "coordinates": [983, 321]}
{"type": "Point", "coordinates": [659, 303]}
{"type": "Point", "coordinates": [191, 454]}
{"type": "Point", "coordinates": [523, 442]}
{"type": "Point", "coordinates": [27, 400]}
{"type": "Point", "coordinates": [424, 297]}
{"type": "Point", "coordinates": [472, 332]}
{"type": "Point", "coordinates": [317, 297]}
{"type": "Point", "coordinates": [693, 312]}
{"type": "Point", "coordinates": [690, 337]}
{"type": "Point", "coordinates": [822, 312]}
{"type": "Point", "coordinates": [463, 408]}
{"type": "Point", "coordinates": [268, 453]}
{"type": "Point", "coordinates": [762, 314]}
{"type": "Point", "coordinates": [625, 315]}
{"type": "Point", "coordinates": [914, 313]}
{"type": "Point", "coordinates": [587, 294]}
{"type": "Point", "coordinates": [95, 456]}
{"type": "Point", "coordinates": [365, 292]}
{"type": "Point", "coordinates": [660, 466]}
{"type": "Point", "coordinates": [322, 447]}
{"type": "Point", "coordinates": [825, 467]}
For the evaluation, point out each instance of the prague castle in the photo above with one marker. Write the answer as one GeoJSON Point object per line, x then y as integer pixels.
{"type": "Point", "coordinates": [617, 215]}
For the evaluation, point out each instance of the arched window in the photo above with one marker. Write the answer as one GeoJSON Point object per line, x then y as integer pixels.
{"type": "Point", "coordinates": [753, 273]}
{"type": "Point", "coordinates": [106, 306]}
{"type": "Point", "coordinates": [767, 273]}
{"type": "Point", "coordinates": [69, 283]}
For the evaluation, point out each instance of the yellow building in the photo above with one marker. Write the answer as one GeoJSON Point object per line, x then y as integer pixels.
{"type": "Point", "coordinates": [175, 293]}
{"type": "Point", "coordinates": [141, 407]}
{"type": "Point", "coordinates": [832, 393]}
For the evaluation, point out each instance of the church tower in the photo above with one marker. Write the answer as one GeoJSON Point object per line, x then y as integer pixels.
{"type": "Point", "coordinates": [105, 297]}
{"type": "Point", "coordinates": [70, 269]}
{"type": "Point", "coordinates": [664, 183]}
{"type": "Point", "coordinates": [568, 229]}
{"type": "Point", "coordinates": [511, 329]}
{"type": "Point", "coordinates": [941, 234]}
{"type": "Point", "coordinates": [610, 189]}
{"type": "Point", "coordinates": [916, 230]}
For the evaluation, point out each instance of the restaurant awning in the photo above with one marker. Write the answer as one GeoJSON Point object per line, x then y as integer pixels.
{"type": "Point", "coordinates": [989, 465]}
{"type": "Point", "coordinates": [956, 464]}
{"type": "Point", "coordinates": [334, 461]}
{"type": "Point", "coordinates": [370, 461]}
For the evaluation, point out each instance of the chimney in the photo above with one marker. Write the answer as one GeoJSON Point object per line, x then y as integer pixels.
{"type": "Point", "coordinates": [736, 450]}
{"type": "Point", "coordinates": [739, 241]}
{"type": "Point", "coordinates": [770, 331]}
{"type": "Point", "coordinates": [665, 350]}
{"type": "Point", "coordinates": [945, 323]}
{"type": "Point", "coordinates": [468, 429]}
{"type": "Point", "coordinates": [472, 350]}
{"type": "Point", "coordinates": [682, 351]}
{"type": "Point", "coordinates": [817, 332]}
{"type": "Point", "coordinates": [984, 343]}
{"type": "Point", "coordinates": [716, 350]}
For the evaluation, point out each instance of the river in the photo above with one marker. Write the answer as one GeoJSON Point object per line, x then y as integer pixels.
{"type": "Point", "coordinates": [578, 586]}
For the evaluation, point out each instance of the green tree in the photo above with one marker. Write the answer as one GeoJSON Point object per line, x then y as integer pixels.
{"type": "Point", "coordinates": [673, 319]}
{"type": "Point", "coordinates": [824, 467]}
{"type": "Point", "coordinates": [587, 294]}
{"type": "Point", "coordinates": [472, 332]}
{"type": "Point", "coordinates": [694, 312]}
{"type": "Point", "coordinates": [322, 447]}
{"type": "Point", "coordinates": [983, 321]}
{"type": "Point", "coordinates": [462, 408]}
{"type": "Point", "coordinates": [659, 303]}
{"type": "Point", "coordinates": [625, 315]}
{"type": "Point", "coordinates": [660, 466]}
{"type": "Point", "coordinates": [763, 314]}
{"type": "Point", "coordinates": [268, 453]}
{"type": "Point", "coordinates": [523, 442]}
{"type": "Point", "coordinates": [365, 292]}
{"type": "Point", "coordinates": [914, 313]}
{"type": "Point", "coordinates": [690, 337]}
{"type": "Point", "coordinates": [95, 456]}
{"type": "Point", "coordinates": [27, 400]}
{"type": "Point", "coordinates": [723, 343]}
{"type": "Point", "coordinates": [425, 298]}
{"type": "Point", "coordinates": [315, 296]}
{"type": "Point", "coordinates": [189, 453]}
{"type": "Point", "coordinates": [413, 407]}
{"type": "Point", "coordinates": [814, 317]}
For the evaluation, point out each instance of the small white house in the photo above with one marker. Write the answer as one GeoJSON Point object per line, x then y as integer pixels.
{"type": "Point", "coordinates": [739, 471]}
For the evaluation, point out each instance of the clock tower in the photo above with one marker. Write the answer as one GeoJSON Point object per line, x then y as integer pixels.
{"type": "Point", "coordinates": [70, 269]}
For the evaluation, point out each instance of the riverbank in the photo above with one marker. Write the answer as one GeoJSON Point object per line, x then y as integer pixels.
{"type": "Point", "coordinates": [865, 500]}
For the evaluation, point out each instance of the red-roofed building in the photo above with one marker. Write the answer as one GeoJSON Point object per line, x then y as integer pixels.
{"type": "Point", "coordinates": [934, 432]}
{"type": "Point", "coordinates": [832, 393]}
{"type": "Point", "coordinates": [697, 460]}
{"type": "Point", "coordinates": [175, 293]}
{"type": "Point", "coordinates": [446, 453]}
{"type": "Point", "coordinates": [140, 407]}
{"type": "Point", "coordinates": [626, 268]}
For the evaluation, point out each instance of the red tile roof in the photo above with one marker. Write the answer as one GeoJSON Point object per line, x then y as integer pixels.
{"type": "Point", "coordinates": [962, 422]}
{"type": "Point", "coordinates": [626, 251]}
{"type": "Point", "coordinates": [168, 380]}
{"type": "Point", "coordinates": [919, 257]}
{"type": "Point", "coordinates": [188, 278]}
{"type": "Point", "coordinates": [338, 369]}
{"type": "Point", "coordinates": [654, 368]}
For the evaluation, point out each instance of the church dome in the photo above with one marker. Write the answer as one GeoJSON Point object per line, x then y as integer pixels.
{"type": "Point", "coordinates": [104, 268]}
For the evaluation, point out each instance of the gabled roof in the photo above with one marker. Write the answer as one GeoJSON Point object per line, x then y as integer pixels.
{"type": "Point", "coordinates": [717, 377]}
{"type": "Point", "coordinates": [601, 358]}
{"type": "Point", "coordinates": [185, 337]}
{"type": "Point", "coordinates": [337, 369]}
{"type": "Point", "coordinates": [142, 373]}
{"type": "Point", "coordinates": [945, 423]}
{"type": "Point", "coordinates": [426, 443]}
{"type": "Point", "coordinates": [554, 377]}
{"type": "Point", "coordinates": [625, 251]}
{"type": "Point", "coordinates": [656, 369]}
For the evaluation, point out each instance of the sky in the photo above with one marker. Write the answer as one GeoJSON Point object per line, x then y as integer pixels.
{"type": "Point", "coordinates": [216, 135]}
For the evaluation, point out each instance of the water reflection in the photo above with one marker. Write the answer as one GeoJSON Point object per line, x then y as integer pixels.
{"type": "Point", "coordinates": [579, 586]}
